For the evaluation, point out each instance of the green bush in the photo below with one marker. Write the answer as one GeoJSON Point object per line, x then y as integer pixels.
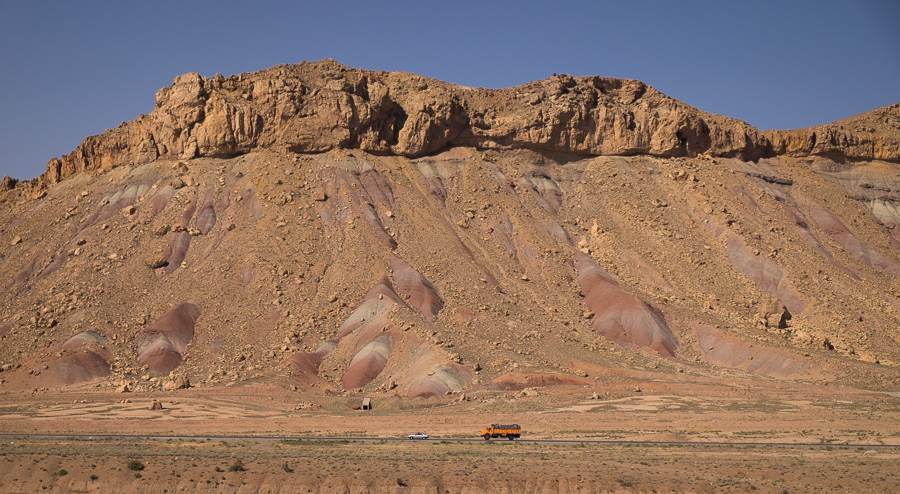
{"type": "Point", "coordinates": [135, 465]}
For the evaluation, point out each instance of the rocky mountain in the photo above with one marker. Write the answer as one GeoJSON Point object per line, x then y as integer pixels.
{"type": "Point", "coordinates": [336, 229]}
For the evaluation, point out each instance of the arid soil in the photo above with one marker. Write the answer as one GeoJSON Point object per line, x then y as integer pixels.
{"type": "Point", "coordinates": [848, 430]}
{"type": "Point", "coordinates": [352, 466]}
{"type": "Point", "coordinates": [307, 235]}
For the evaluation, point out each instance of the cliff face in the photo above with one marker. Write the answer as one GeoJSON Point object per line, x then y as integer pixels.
{"type": "Point", "coordinates": [315, 107]}
{"type": "Point", "coordinates": [318, 106]}
{"type": "Point", "coordinates": [871, 135]}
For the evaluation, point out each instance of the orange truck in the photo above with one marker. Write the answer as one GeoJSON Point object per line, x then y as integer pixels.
{"type": "Point", "coordinates": [510, 432]}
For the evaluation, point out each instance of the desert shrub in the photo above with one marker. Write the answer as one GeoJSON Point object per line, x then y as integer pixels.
{"type": "Point", "coordinates": [287, 468]}
{"type": "Point", "coordinates": [135, 465]}
{"type": "Point", "coordinates": [624, 482]}
{"type": "Point", "coordinates": [94, 476]}
{"type": "Point", "coordinates": [237, 466]}
{"type": "Point", "coordinates": [61, 472]}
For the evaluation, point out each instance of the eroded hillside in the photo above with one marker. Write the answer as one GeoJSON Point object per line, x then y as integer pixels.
{"type": "Point", "coordinates": [337, 229]}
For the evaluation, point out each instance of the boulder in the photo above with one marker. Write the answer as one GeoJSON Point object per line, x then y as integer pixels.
{"type": "Point", "coordinates": [177, 382]}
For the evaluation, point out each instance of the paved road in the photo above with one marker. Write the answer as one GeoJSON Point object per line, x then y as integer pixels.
{"type": "Point", "coordinates": [89, 437]}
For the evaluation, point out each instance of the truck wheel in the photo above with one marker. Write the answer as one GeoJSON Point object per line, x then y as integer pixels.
{"type": "Point", "coordinates": [486, 437]}
{"type": "Point", "coordinates": [511, 437]}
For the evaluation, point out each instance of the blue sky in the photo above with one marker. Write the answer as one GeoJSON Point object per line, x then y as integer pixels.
{"type": "Point", "coordinates": [72, 69]}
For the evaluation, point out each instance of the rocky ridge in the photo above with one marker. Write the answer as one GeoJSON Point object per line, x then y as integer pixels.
{"type": "Point", "coordinates": [313, 107]}
{"type": "Point", "coordinates": [874, 135]}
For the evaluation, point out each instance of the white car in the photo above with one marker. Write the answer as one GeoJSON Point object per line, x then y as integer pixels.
{"type": "Point", "coordinates": [418, 435]}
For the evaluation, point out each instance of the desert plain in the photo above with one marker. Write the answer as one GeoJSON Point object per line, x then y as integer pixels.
{"type": "Point", "coordinates": [637, 434]}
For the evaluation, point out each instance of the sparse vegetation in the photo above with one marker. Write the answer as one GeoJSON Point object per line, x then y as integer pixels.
{"type": "Point", "coordinates": [237, 466]}
{"type": "Point", "coordinates": [622, 468]}
{"type": "Point", "coordinates": [135, 465]}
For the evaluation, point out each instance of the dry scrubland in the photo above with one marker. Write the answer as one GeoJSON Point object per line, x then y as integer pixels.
{"type": "Point", "coordinates": [339, 466]}
{"type": "Point", "coordinates": [798, 438]}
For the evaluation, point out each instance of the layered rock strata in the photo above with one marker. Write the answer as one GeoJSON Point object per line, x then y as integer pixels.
{"type": "Point", "coordinates": [317, 106]}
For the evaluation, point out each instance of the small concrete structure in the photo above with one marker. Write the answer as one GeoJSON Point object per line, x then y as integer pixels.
{"type": "Point", "coordinates": [367, 404]}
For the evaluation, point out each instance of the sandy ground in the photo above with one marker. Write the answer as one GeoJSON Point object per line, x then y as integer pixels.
{"type": "Point", "coordinates": [351, 466]}
{"type": "Point", "coordinates": [849, 428]}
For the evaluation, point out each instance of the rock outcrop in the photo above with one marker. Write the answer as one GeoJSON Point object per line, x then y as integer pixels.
{"type": "Point", "coordinates": [871, 135]}
{"type": "Point", "coordinates": [317, 106]}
